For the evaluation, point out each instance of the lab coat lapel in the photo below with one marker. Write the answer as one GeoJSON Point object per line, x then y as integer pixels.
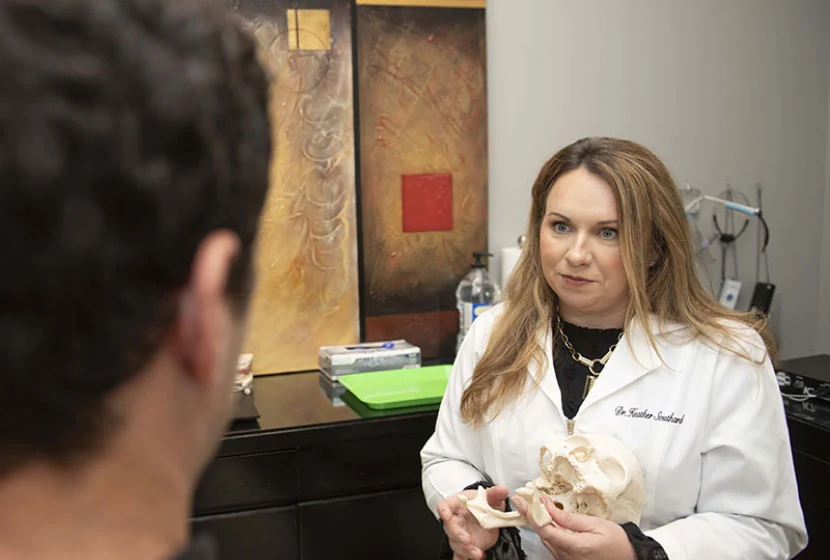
{"type": "Point", "coordinates": [633, 358]}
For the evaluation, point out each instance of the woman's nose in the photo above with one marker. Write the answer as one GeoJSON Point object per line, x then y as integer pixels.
{"type": "Point", "coordinates": [578, 254]}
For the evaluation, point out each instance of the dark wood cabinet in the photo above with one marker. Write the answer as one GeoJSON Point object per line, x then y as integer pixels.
{"type": "Point", "coordinates": [811, 457]}
{"type": "Point", "coordinates": [365, 465]}
{"type": "Point", "coordinates": [381, 525]}
{"type": "Point", "coordinates": [351, 499]}
{"type": "Point", "coordinates": [818, 521]}
{"type": "Point", "coordinates": [313, 480]}
{"type": "Point", "coordinates": [269, 534]}
{"type": "Point", "coordinates": [247, 482]}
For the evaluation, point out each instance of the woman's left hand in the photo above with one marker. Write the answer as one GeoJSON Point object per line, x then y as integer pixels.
{"type": "Point", "coordinates": [573, 536]}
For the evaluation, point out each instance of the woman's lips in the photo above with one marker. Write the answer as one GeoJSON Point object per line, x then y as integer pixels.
{"type": "Point", "coordinates": [575, 281]}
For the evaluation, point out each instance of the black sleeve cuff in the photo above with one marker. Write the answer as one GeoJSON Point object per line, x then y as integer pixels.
{"type": "Point", "coordinates": [509, 545]}
{"type": "Point", "coordinates": [645, 547]}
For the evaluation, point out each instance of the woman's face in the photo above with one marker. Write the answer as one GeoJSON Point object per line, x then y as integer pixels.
{"type": "Point", "coordinates": [580, 252]}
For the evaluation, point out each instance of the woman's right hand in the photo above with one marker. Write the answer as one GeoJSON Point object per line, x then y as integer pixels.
{"type": "Point", "coordinates": [468, 539]}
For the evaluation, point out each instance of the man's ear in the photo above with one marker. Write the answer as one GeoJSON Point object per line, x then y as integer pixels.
{"type": "Point", "coordinates": [201, 324]}
{"type": "Point", "coordinates": [653, 258]}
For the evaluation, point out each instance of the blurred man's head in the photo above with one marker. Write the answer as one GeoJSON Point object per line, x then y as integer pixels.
{"type": "Point", "coordinates": [134, 151]}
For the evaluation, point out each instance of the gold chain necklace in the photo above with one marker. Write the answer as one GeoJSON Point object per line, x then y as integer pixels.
{"type": "Point", "coordinates": [587, 362]}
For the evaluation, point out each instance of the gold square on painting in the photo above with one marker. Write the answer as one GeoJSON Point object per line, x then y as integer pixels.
{"type": "Point", "coordinates": [309, 30]}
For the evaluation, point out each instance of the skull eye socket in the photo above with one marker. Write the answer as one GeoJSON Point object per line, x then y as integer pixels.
{"type": "Point", "coordinates": [559, 505]}
{"type": "Point", "coordinates": [613, 469]}
{"type": "Point", "coordinates": [564, 472]}
{"type": "Point", "coordinates": [582, 454]}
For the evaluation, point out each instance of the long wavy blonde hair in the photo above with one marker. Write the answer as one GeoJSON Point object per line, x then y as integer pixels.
{"type": "Point", "coordinates": [652, 224]}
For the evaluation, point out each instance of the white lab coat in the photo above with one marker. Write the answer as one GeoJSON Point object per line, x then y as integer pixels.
{"type": "Point", "coordinates": [715, 453]}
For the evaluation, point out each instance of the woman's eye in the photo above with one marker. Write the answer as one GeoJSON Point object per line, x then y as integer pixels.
{"type": "Point", "coordinates": [608, 233]}
{"type": "Point", "coordinates": [560, 227]}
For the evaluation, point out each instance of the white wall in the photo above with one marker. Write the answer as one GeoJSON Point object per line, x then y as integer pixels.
{"type": "Point", "coordinates": [732, 90]}
{"type": "Point", "coordinates": [823, 332]}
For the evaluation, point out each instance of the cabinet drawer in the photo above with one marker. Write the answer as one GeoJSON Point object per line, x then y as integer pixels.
{"type": "Point", "coordinates": [352, 467]}
{"type": "Point", "coordinates": [260, 535]}
{"type": "Point", "coordinates": [247, 482]}
{"type": "Point", "coordinates": [386, 525]}
{"type": "Point", "coordinates": [813, 479]}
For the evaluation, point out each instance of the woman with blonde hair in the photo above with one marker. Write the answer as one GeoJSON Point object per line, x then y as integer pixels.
{"type": "Point", "coordinates": [606, 329]}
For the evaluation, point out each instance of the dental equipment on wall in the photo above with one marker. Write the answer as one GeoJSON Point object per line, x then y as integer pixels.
{"type": "Point", "coordinates": [727, 234]}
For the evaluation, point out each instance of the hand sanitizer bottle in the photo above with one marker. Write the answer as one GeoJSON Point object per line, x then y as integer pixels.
{"type": "Point", "coordinates": [476, 293]}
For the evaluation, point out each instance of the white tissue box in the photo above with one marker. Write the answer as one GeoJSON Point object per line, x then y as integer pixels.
{"type": "Point", "coordinates": [368, 356]}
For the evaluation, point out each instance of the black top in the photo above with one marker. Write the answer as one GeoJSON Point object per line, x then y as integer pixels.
{"type": "Point", "coordinates": [203, 547]}
{"type": "Point", "coordinates": [571, 375]}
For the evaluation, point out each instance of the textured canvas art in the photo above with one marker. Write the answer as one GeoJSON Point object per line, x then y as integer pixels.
{"type": "Point", "coordinates": [423, 167]}
{"type": "Point", "coordinates": [307, 293]}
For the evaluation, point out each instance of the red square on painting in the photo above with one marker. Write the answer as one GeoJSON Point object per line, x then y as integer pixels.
{"type": "Point", "coordinates": [427, 202]}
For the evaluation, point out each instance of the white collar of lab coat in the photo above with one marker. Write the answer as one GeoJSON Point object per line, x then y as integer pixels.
{"type": "Point", "coordinates": [633, 358]}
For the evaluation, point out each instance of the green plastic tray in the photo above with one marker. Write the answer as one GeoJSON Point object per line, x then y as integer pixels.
{"type": "Point", "coordinates": [399, 387]}
{"type": "Point", "coordinates": [364, 411]}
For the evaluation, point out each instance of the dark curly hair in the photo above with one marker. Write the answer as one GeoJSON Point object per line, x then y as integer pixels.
{"type": "Point", "coordinates": [129, 130]}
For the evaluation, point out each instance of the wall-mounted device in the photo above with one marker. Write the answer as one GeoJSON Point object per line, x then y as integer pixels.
{"type": "Point", "coordinates": [729, 293]}
{"type": "Point", "coordinates": [730, 289]}
{"type": "Point", "coordinates": [762, 297]}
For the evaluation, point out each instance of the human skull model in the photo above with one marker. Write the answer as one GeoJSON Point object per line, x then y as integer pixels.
{"type": "Point", "coordinates": [587, 474]}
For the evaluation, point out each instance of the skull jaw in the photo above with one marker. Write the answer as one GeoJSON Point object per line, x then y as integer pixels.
{"type": "Point", "coordinates": [489, 517]}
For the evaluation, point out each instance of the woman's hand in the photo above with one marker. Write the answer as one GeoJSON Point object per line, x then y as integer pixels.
{"type": "Point", "coordinates": [572, 536]}
{"type": "Point", "coordinates": [468, 539]}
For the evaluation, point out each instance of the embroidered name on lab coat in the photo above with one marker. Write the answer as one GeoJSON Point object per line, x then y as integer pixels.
{"type": "Point", "coordinates": [645, 414]}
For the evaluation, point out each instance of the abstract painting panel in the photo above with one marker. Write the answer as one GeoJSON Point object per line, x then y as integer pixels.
{"type": "Point", "coordinates": [307, 292]}
{"type": "Point", "coordinates": [423, 167]}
